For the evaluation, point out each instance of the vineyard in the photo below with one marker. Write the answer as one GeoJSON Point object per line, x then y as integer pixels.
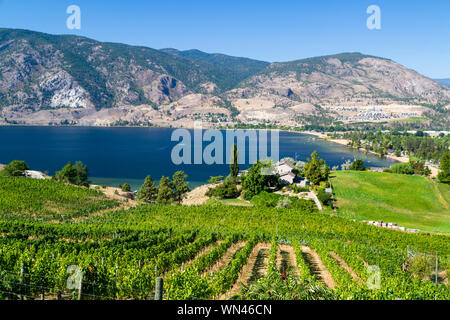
{"type": "Point", "coordinates": [48, 200]}
{"type": "Point", "coordinates": [205, 252]}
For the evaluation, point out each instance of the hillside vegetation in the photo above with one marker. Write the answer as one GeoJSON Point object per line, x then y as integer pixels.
{"type": "Point", "coordinates": [410, 201]}
{"type": "Point", "coordinates": [25, 199]}
{"type": "Point", "coordinates": [204, 251]}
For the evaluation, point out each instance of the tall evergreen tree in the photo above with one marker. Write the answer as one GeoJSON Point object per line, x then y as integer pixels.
{"type": "Point", "coordinates": [234, 167]}
{"type": "Point", "coordinates": [444, 175]}
{"type": "Point", "coordinates": [180, 185]}
{"type": "Point", "coordinates": [316, 169]}
{"type": "Point", "coordinates": [166, 192]}
{"type": "Point", "coordinates": [358, 165]}
{"type": "Point", "coordinates": [74, 174]}
{"type": "Point", "coordinates": [148, 191]}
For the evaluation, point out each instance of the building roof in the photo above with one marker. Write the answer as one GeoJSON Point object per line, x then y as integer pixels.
{"type": "Point", "coordinates": [287, 163]}
{"type": "Point", "coordinates": [290, 174]}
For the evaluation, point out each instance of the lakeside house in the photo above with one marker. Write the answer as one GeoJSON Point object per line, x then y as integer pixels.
{"type": "Point", "coordinates": [288, 178]}
{"type": "Point", "coordinates": [285, 170]}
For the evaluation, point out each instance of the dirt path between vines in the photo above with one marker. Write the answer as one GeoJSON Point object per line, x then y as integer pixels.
{"type": "Point", "coordinates": [226, 258]}
{"type": "Point", "coordinates": [202, 252]}
{"type": "Point", "coordinates": [344, 265]}
{"type": "Point", "coordinates": [317, 267]}
{"type": "Point", "coordinates": [286, 259]}
{"type": "Point", "coordinates": [255, 269]}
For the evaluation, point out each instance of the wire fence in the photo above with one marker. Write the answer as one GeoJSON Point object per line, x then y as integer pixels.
{"type": "Point", "coordinates": [14, 286]}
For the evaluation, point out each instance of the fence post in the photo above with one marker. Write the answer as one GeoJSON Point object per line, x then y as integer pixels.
{"type": "Point", "coordinates": [21, 282]}
{"type": "Point", "coordinates": [80, 288]}
{"type": "Point", "coordinates": [115, 285]}
{"type": "Point", "coordinates": [159, 288]}
{"type": "Point", "coordinates": [437, 267]}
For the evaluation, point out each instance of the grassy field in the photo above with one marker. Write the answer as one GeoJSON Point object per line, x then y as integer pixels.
{"type": "Point", "coordinates": [445, 191]}
{"type": "Point", "coordinates": [410, 201]}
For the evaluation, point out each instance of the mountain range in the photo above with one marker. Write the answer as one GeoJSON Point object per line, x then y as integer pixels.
{"type": "Point", "coordinates": [64, 79]}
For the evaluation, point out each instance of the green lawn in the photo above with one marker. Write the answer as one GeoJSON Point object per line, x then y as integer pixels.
{"type": "Point", "coordinates": [410, 201]}
{"type": "Point", "coordinates": [445, 191]}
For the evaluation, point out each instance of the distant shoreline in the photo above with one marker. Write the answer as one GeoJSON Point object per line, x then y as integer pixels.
{"type": "Point", "coordinates": [345, 142]}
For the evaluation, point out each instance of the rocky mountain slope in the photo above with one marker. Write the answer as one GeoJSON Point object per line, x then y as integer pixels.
{"type": "Point", "coordinates": [47, 79]}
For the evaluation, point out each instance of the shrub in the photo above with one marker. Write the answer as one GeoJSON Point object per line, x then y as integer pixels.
{"type": "Point", "coordinates": [126, 187]}
{"type": "Point", "coordinates": [420, 265]}
{"type": "Point", "coordinates": [226, 190]}
{"type": "Point", "coordinates": [215, 179]}
{"type": "Point", "coordinates": [402, 168]}
{"type": "Point", "coordinates": [15, 169]}
{"type": "Point", "coordinates": [420, 167]}
{"type": "Point", "coordinates": [255, 181]}
{"type": "Point", "coordinates": [273, 200]}
{"type": "Point", "coordinates": [248, 195]}
{"type": "Point", "coordinates": [297, 189]}
{"type": "Point", "coordinates": [74, 174]}
{"type": "Point", "coordinates": [358, 165]}
{"type": "Point", "coordinates": [148, 191]}
{"type": "Point", "coordinates": [324, 197]}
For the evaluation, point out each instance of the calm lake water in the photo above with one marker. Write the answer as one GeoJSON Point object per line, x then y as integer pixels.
{"type": "Point", "coordinates": [118, 155]}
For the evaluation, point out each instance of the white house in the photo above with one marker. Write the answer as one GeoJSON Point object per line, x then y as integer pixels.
{"type": "Point", "coordinates": [288, 178]}
{"type": "Point", "coordinates": [284, 167]}
{"type": "Point", "coordinates": [285, 170]}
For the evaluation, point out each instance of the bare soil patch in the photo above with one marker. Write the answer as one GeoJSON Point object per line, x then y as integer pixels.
{"type": "Point", "coordinates": [288, 259]}
{"type": "Point", "coordinates": [317, 267]}
{"type": "Point", "coordinates": [344, 265]}
{"type": "Point", "coordinates": [226, 258]}
{"type": "Point", "coordinates": [255, 269]}
{"type": "Point", "coordinates": [197, 196]}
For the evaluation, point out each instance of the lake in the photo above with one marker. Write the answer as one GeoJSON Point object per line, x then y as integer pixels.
{"type": "Point", "coordinates": [118, 155]}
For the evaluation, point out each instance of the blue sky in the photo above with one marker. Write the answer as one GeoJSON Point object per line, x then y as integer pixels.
{"type": "Point", "coordinates": [414, 33]}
